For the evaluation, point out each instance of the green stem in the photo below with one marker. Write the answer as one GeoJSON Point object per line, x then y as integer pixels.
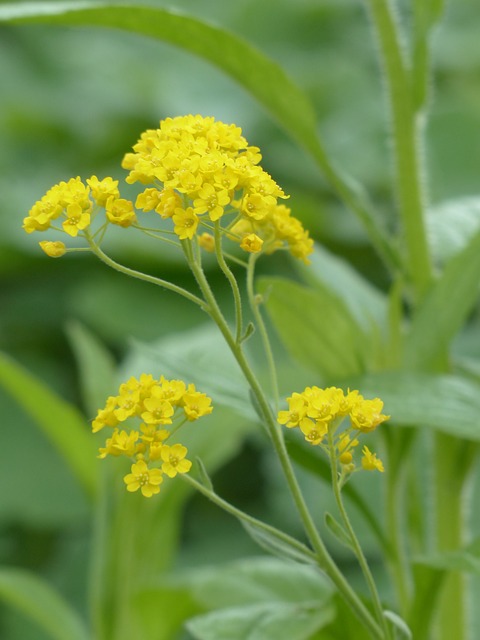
{"type": "Point", "coordinates": [408, 173]}
{"type": "Point", "coordinates": [324, 559]}
{"type": "Point", "coordinates": [143, 276]}
{"type": "Point", "coordinates": [232, 280]}
{"type": "Point", "coordinates": [255, 307]}
{"type": "Point", "coordinates": [362, 561]}
{"type": "Point", "coordinates": [244, 517]}
{"type": "Point", "coordinates": [453, 462]}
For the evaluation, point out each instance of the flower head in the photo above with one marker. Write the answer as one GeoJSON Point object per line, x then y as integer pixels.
{"type": "Point", "coordinates": [143, 478]}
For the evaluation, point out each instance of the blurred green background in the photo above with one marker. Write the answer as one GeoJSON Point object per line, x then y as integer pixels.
{"type": "Point", "coordinates": [73, 101]}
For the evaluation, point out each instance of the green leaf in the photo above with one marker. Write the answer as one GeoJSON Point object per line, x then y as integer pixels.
{"type": "Point", "coordinates": [63, 425]}
{"type": "Point", "coordinates": [402, 629]}
{"type": "Point", "coordinates": [259, 75]}
{"type": "Point", "coordinates": [258, 580]}
{"type": "Point", "coordinates": [258, 622]}
{"type": "Point", "coordinates": [277, 545]}
{"type": "Point", "coordinates": [317, 328]}
{"type": "Point", "coordinates": [451, 225]}
{"type": "Point", "coordinates": [37, 600]}
{"type": "Point", "coordinates": [337, 530]}
{"type": "Point", "coordinates": [428, 583]}
{"type": "Point", "coordinates": [444, 308]}
{"type": "Point", "coordinates": [96, 366]}
{"type": "Point", "coordinates": [367, 304]}
{"type": "Point", "coordinates": [448, 403]}
{"type": "Point", "coordinates": [200, 356]}
{"type": "Point", "coordinates": [260, 598]}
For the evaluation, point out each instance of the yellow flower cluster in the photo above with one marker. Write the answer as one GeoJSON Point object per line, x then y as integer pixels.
{"type": "Point", "coordinates": [196, 170]}
{"type": "Point", "coordinates": [316, 412]}
{"type": "Point", "coordinates": [201, 169]}
{"type": "Point", "coordinates": [158, 408]}
{"type": "Point", "coordinates": [74, 204]}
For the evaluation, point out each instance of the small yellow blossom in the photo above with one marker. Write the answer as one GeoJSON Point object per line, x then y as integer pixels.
{"type": "Point", "coordinates": [186, 223]}
{"type": "Point", "coordinates": [121, 443]}
{"type": "Point", "coordinates": [174, 460]}
{"type": "Point", "coordinates": [120, 211]}
{"type": "Point", "coordinates": [296, 412]}
{"type": "Point", "coordinates": [370, 462]}
{"type": "Point", "coordinates": [158, 411]}
{"type": "Point", "coordinates": [196, 404]}
{"type": "Point", "coordinates": [53, 249]}
{"type": "Point", "coordinates": [76, 219]}
{"type": "Point", "coordinates": [102, 190]}
{"type": "Point", "coordinates": [366, 415]}
{"type": "Point", "coordinates": [252, 243]}
{"type": "Point", "coordinates": [143, 478]}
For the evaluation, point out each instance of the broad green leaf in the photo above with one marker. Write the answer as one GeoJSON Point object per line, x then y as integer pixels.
{"type": "Point", "coordinates": [262, 77]}
{"type": "Point", "coordinates": [36, 599]}
{"type": "Point", "coordinates": [96, 366]}
{"type": "Point", "coordinates": [367, 304]}
{"type": "Point", "coordinates": [444, 308]}
{"type": "Point", "coordinates": [337, 530]}
{"type": "Point", "coordinates": [63, 425]}
{"type": "Point", "coordinates": [451, 225]}
{"type": "Point", "coordinates": [260, 598]}
{"type": "Point", "coordinates": [316, 328]}
{"type": "Point", "coordinates": [258, 622]}
{"type": "Point", "coordinates": [199, 356]}
{"type": "Point", "coordinates": [258, 580]}
{"type": "Point", "coordinates": [448, 403]}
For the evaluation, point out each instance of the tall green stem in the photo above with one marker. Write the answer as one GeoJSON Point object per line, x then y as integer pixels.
{"type": "Point", "coordinates": [408, 170]}
{"type": "Point", "coordinates": [324, 559]}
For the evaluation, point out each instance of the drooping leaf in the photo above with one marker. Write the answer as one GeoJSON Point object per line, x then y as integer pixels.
{"type": "Point", "coordinates": [445, 307]}
{"type": "Point", "coordinates": [448, 403]}
{"type": "Point", "coordinates": [402, 630]}
{"type": "Point", "coordinates": [316, 327]}
{"type": "Point", "coordinates": [63, 425]}
{"type": "Point", "coordinates": [36, 599]}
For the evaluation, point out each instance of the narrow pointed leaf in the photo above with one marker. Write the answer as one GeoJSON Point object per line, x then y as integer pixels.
{"type": "Point", "coordinates": [337, 530]}
{"type": "Point", "coordinates": [60, 421]}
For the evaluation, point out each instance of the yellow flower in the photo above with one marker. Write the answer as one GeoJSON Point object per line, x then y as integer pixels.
{"type": "Point", "coordinates": [120, 444]}
{"type": "Point", "coordinates": [186, 223]}
{"type": "Point", "coordinates": [366, 415]}
{"type": "Point", "coordinates": [174, 460]}
{"type": "Point", "coordinates": [314, 432]}
{"type": "Point", "coordinates": [106, 416]}
{"type": "Point", "coordinates": [76, 219]}
{"type": "Point", "coordinates": [296, 411]}
{"type": "Point", "coordinates": [53, 249]}
{"type": "Point", "coordinates": [143, 478]}
{"type": "Point", "coordinates": [120, 211]}
{"type": "Point", "coordinates": [211, 201]}
{"type": "Point", "coordinates": [158, 411]}
{"type": "Point", "coordinates": [252, 243]}
{"type": "Point", "coordinates": [370, 462]}
{"type": "Point", "coordinates": [102, 190]}
{"type": "Point", "coordinates": [196, 404]}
